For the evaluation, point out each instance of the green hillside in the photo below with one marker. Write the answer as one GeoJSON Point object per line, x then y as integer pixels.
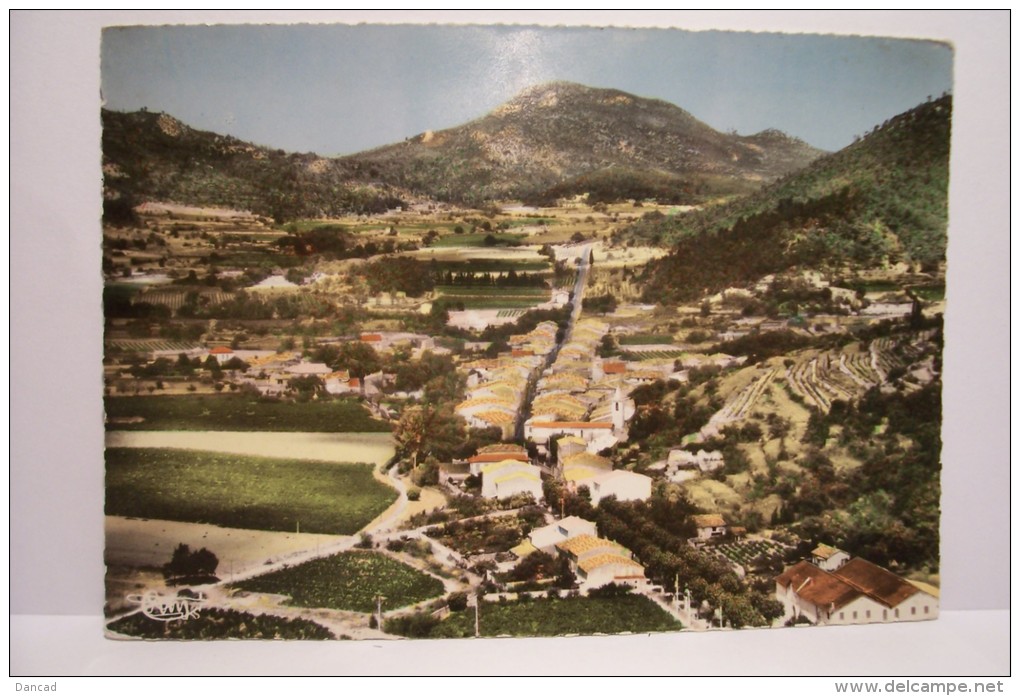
{"type": "Point", "coordinates": [882, 199]}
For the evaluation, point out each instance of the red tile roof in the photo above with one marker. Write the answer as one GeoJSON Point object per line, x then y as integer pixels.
{"type": "Point", "coordinates": [221, 350]}
{"type": "Point", "coordinates": [371, 337]}
{"type": "Point", "coordinates": [614, 368]}
{"type": "Point", "coordinates": [878, 583]}
{"type": "Point", "coordinates": [817, 586]}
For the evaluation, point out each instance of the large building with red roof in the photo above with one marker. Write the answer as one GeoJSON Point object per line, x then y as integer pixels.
{"type": "Point", "coordinates": [857, 592]}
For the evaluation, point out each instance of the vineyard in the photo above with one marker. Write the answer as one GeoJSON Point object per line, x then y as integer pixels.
{"type": "Point", "coordinates": [749, 552]}
{"type": "Point", "coordinates": [558, 617]}
{"type": "Point", "coordinates": [488, 297]}
{"type": "Point", "coordinates": [151, 345]}
{"type": "Point", "coordinates": [822, 379]}
{"type": "Point", "coordinates": [644, 354]}
{"type": "Point", "coordinates": [175, 299]}
{"type": "Point", "coordinates": [348, 581]}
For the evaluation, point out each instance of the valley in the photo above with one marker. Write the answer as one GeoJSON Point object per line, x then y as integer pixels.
{"type": "Point", "coordinates": [659, 386]}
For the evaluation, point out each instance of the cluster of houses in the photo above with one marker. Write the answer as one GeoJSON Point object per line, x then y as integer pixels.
{"type": "Point", "coordinates": [594, 561]}
{"type": "Point", "coordinates": [834, 589]}
{"type": "Point", "coordinates": [583, 396]}
{"type": "Point", "coordinates": [271, 372]}
{"type": "Point", "coordinates": [497, 387]}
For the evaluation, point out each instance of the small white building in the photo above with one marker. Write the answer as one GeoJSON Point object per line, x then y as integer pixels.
{"type": "Point", "coordinates": [710, 526]}
{"type": "Point", "coordinates": [308, 369]}
{"type": "Point", "coordinates": [510, 477]}
{"type": "Point", "coordinates": [624, 485]}
{"type": "Point", "coordinates": [597, 562]}
{"type": "Point", "coordinates": [703, 460]}
{"type": "Point", "coordinates": [829, 557]}
{"type": "Point", "coordinates": [546, 538]}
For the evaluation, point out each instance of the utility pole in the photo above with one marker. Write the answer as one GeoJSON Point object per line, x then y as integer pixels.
{"type": "Point", "coordinates": [378, 609]}
{"type": "Point", "coordinates": [478, 608]}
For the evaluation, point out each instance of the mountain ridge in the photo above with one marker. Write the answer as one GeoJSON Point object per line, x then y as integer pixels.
{"type": "Point", "coordinates": [544, 136]}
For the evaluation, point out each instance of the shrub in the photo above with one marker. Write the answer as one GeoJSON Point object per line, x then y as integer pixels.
{"type": "Point", "coordinates": [611, 590]}
{"type": "Point", "coordinates": [457, 601]}
{"type": "Point", "coordinates": [191, 567]}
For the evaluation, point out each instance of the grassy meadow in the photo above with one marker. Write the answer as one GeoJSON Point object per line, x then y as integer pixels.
{"type": "Point", "coordinates": [242, 491]}
{"type": "Point", "coordinates": [238, 412]}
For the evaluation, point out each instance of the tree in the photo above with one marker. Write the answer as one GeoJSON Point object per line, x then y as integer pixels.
{"type": "Point", "coordinates": [358, 358]}
{"type": "Point", "coordinates": [603, 304]}
{"type": "Point", "coordinates": [186, 565]}
{"type": "Point", "coordinates": [425, 430]}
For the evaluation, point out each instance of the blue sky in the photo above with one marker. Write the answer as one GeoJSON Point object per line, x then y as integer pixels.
{"type": "Point", "coordinates": [335, 89]}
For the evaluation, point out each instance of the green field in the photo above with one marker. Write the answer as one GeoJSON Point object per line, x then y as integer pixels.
{"type": "Point", "coordinates": [348, 581]}
{"type": "Point", "coordinates": [525, 221]}
{"type": "Point", "coordinates": [488, 297]}
{"type": "Point", "coordinates": [490, 291]}
{"type": "Point", "coordinates": [237, 412]}
{"type": "Point", "coordinates": [491, 266]}
{"type": "Point", "coordinates": [498, 303]}
{"type": "Point", "coordinates": [244, 492]}
{"type": "Point", "coordinates": [215, 624]}
{"type": "Point", "coordinates": [477, 240]}
{"type": "Point", "coordinates": [557, 617]}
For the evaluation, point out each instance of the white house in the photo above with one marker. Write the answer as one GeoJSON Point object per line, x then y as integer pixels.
{"type": "Point", "coordinates": [598, 562]}
{"type": "Point", "coordinates": [625, 485]}
{"type": "Point", "coordinates": [710, 526]}
{"type": "Point", "coordinates": [509, 477]}
{"type": "Point", "coordinates": [308, 369]}
{"type": "Point", "coordinates": [546, 538]}
{"type": "Point", "coordinates": [829, 557]}
{"type": "Point", "coordinates": [602, 570]}
{"type": "Point", "coordinates": [702, 460]}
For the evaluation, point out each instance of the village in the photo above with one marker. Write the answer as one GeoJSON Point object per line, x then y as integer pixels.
{"type": "Point", "coordinates": [541, 416]}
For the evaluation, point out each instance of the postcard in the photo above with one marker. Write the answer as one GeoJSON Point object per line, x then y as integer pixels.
{"type": "Point", "coordinates": [436, 331]}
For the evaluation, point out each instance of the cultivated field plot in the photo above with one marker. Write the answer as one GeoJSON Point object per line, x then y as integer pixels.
{"type": "Point", "coordinates": [234, 412]}
{"type": "Point", "coordinates": [350, 582]}
{"type": "Point", "coordinates": [645, 339]}
{"type": "Point", "coordinates": [244, 492]}
{"type": "Point", "coordinates": [370, 448]}
{"type": "Point", "coordinates": [744, 553]}
{"type": "Point", "coordinates": [478, 240]}
{"type": "Point", "coordinates": [487, 297]}
{"type": "Point", "coordinates": [557, 617]}
{"type": "Point", "coordinates": [649, 354]}
{"type": "Point", "coordinates": [215, 624]}
{"type": "Point", "coordinates": [148, 345]}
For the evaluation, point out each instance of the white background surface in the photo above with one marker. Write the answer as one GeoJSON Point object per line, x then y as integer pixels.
{"type": "Point", "coordinates": [56, 478]}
